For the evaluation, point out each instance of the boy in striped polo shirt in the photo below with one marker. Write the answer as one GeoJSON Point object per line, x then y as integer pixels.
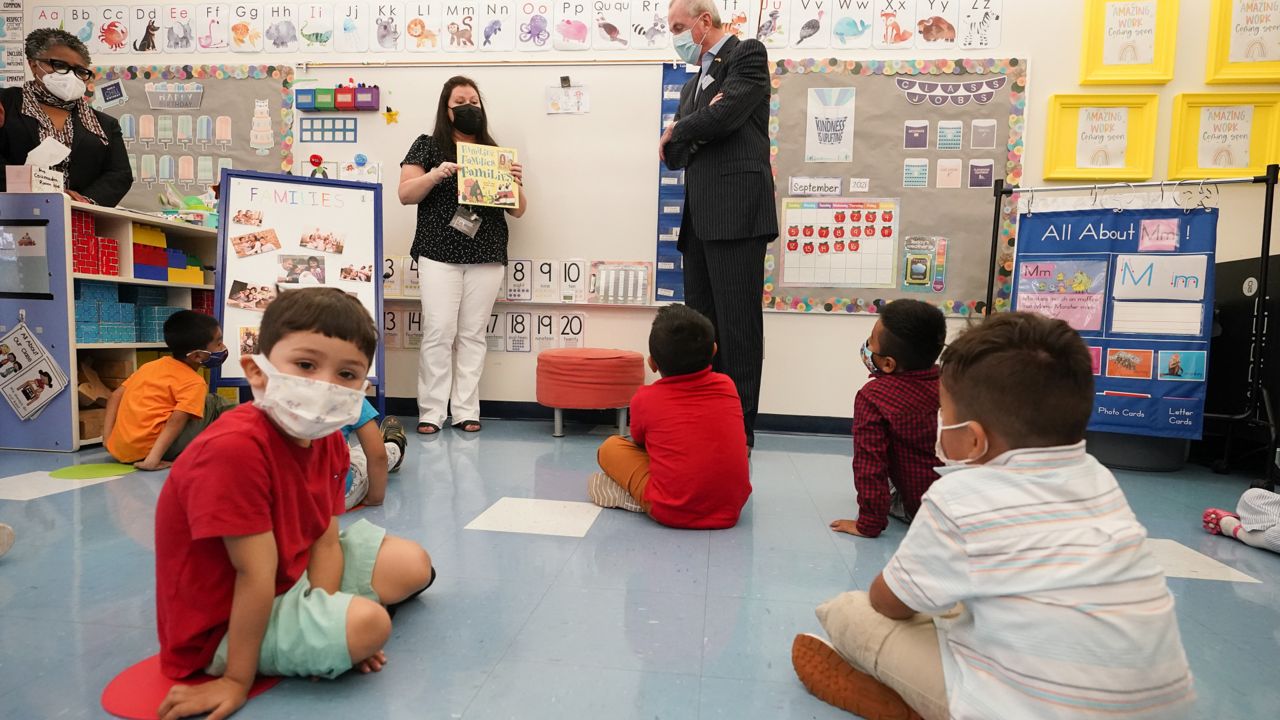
{"type": "Point", "coordinates": [1023, 588]}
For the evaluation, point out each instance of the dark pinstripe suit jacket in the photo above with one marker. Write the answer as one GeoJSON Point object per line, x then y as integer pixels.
{"type": "Point", "coordinates": [724, 148]}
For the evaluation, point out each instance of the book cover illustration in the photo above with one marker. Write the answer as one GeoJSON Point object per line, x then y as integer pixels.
{"type": "Point", "coordinates": [484, 176]}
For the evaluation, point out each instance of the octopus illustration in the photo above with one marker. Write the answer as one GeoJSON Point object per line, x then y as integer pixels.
{"type": "Point", "coordinates": [113, 35]}
{"type": "Point", "coordinates": [535, 31]}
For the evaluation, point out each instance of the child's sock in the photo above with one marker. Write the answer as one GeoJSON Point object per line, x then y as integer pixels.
{"type": "Point", "coordinates": [609, 494]}
{"type": "Point", "coordinates": [393, 456]}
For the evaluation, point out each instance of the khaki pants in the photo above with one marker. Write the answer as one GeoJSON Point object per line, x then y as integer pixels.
{"type": "Point", "coordinates": [902, 654]}
{"type": "Point", "coordinates": [627, 465]}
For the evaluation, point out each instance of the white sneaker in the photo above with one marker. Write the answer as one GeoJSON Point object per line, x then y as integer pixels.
{"type": "Point", "coordinates": [7, 538]}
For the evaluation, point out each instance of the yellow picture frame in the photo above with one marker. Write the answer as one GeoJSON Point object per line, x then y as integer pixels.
{"type": "Point", "coordinates": [1260, 134]}
{"type": "Point", "coordinates": [1220, 68]}
{"type": "Point", "coordinates": [1094, 68]}
{"type": "Point", "coordinates": [1063, 137]}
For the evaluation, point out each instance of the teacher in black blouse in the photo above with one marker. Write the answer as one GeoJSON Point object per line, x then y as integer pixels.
{"type": "Point", "coordinates": [53, 105]}
{"type": "Point", "coordinates": [460, 274]}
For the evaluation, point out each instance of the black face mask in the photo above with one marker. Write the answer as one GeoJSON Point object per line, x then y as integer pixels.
{"type": "Point", "coordinates": [468, 119]}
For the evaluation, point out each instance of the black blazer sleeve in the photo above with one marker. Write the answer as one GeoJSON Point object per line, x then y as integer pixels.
{"type": "Point", "coordinates": [678, 152]}
{"type": "Point", "coordinates": [745, 87]}
{"type": "Point", "coordinates": [100, 173]}
{"type": "Point", "coordinates": [97, 171]}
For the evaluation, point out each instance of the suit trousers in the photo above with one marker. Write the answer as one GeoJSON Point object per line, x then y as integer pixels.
{"type": "Point", "coordinates": [724, 280]}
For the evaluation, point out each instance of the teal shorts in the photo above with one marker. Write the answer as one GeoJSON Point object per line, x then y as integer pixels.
{"type": "Point", "coordinates": [307, 631]}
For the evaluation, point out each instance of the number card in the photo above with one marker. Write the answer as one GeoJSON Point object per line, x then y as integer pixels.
{"type": "Point", "coordinates": [573, 281]}
{"type": "Point", "coordinates": [572, 330]}
{"type": "Point", "coordinates": [391, 330]}
{"type": "Point", "coordinates": [519, 282]}
{"type": "Point", "coordinates": [391, 275]}
{"type": "Point", "coordinates": [518, 332]}
{"type": "Point", "coordinates": [411, 324]}
{"type": "Point", "coordinates": [495, 335]}
{"type": "Point", "coordinates": [545, 276]}
{"type": "Point", "coordinates": [544, 332]}
{"type": "Point", "coordinates": [409, 277]}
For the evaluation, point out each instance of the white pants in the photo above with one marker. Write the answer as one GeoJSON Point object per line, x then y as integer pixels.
{"type": "Point", "coordinates": [456, 303]}
{"type": "Point", "coordinates": [360, 470]}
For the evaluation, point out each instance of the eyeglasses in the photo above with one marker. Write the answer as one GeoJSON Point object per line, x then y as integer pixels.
{"type": "Point", "coordinates": [59, 67]}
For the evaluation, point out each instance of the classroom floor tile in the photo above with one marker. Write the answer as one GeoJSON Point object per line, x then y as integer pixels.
{"type": "Point", "coordinates": [615, 618]}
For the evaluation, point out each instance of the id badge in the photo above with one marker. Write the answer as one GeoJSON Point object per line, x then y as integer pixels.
{"type": "Point", "coordinates": [465, 221]}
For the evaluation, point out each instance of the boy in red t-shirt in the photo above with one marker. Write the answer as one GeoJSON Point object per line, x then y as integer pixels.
{"type": "Point", "coordinates": [895, 416]}
{"type": "Point", "coordinates": [686, 464]}
{"type": "Point", "coordinates": [253, 574]}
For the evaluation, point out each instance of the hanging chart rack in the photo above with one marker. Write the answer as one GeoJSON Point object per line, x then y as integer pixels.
{"type": "Point", "coordinates": [1257, 411]}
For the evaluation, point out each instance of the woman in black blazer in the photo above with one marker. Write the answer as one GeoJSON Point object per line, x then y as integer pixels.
{"type": "Point", "coordinates": [53, 105]}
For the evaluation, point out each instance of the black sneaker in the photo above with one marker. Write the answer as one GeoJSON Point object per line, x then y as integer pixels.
{"type": "Point", "coordinates": [393, 432]}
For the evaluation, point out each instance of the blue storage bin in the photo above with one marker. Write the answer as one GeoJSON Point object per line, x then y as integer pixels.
{"type": "Point", "coordinates": [86, 312]}
{"type": "Point", "coordinates": [87, 333]}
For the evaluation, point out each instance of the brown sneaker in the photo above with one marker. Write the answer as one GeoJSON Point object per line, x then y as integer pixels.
{"type": "Point", "coordinates": [834, 681]}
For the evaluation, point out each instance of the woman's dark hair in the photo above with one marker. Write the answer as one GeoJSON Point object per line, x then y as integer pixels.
{"type": "Point", "coordinates": [444, 126]}
{"type": "Point", "coordinates": [41, 40]}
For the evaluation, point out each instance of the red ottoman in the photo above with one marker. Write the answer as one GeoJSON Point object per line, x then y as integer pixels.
{"type": "Point", "coordinates": [589, 379]}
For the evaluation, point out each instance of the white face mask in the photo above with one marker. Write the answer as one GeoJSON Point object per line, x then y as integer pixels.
{"type": "Point", "coordinates": [942, 454]}
{"type": "Point", "coordinates": [689, 50]}
{"type": "Point", "coordinates": [306, 408]}
{"type": "Point", "coordinates": [65, 86]}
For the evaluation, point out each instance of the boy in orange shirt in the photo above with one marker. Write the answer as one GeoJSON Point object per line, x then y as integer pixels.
{"type": "Point", "coordinates": [162, 406]}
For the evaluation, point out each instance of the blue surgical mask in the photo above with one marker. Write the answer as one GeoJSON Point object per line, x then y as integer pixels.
{"type": "Point", "coordinates": [688, 50]}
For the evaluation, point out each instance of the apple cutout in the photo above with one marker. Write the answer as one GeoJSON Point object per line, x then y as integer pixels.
{"type": "Point", "coordinates": [793, 245]}
{"type": "Point", "coordinates": [887, 216]}
{"type": "Point", "coordinates": [839, 217]}
{"type": "Point", "coordinates": [855, 231]}
{"type": "Point", "coordinates": [808, 248]}
{"type": "Point", "coordinates": [839, 232]}
{"type": "Point", "coordinates": [854, 246]}
{"type": "Point", "coordinates": [869, 231]}
{"type": "Point", "coordinates": [855, 216]}
{"type": "Point", "coordinates": [824, 232]}
{"type": "Point", "coordinates": [886, 231]}
{"type": "Point", "coordinates": [871, 216]}
{"type": "Point", "coordinates": [839, 246]}
{"type": "Point", "coordinates": [793, 231]}
{"type": "Point", "coordinates": [808, 231]}
{"type": "Point", "coordinates": [824, 248]}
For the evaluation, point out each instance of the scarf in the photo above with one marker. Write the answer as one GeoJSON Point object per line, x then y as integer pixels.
{"type": "Point", "coordinates": [34, 94]}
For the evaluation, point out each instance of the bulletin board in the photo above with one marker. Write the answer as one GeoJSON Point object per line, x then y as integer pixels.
{"type": "Point", "coordinates": [276, 231]}
{"type": "Point", "coordinates": [184, 124]}
{"type": "Point", "coordinates": [1137, 284]}
{"type": "Point", "coordinates": [885, 171]}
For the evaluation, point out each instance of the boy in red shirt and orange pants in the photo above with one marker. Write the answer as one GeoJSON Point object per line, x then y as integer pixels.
{"type": "Point", "coordinates": [252, 573]}
{"type": "Point", "coordinates": [686, 464]}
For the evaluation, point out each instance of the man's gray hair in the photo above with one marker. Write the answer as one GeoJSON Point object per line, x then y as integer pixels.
{"type": "Point", "coordinates": [696, 8]}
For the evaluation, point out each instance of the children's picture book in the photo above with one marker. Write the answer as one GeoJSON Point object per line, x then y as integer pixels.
{"type": "Point", "coordinates": [484, 176]}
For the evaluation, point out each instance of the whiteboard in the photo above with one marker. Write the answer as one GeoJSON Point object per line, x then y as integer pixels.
{"type": "Point", "coordinates": [267, 220]}
{"type": "Point", "coordinates": [591, 180]}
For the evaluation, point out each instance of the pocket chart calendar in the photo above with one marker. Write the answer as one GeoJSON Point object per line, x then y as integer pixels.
{"type": "Point", "coordinates": [1138, 287]}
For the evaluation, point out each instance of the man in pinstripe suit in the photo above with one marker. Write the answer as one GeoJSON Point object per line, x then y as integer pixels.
{"type": "Point", "coordinates": [720, 138]}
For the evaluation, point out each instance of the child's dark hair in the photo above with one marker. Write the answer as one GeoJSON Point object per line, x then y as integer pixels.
{"type": "Point", "coordinates": [681, 341]}
{"type": "Point", "coordinates": [914, 333]}
{"type": "Point", "coordinates": [186, 331]}
{"type": "Point", "coordinates": [1025, 377]}
{"type": "Point", "coordinates": [328, 311]}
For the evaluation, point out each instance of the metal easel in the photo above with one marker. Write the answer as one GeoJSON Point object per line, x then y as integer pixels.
{"type": "Point", "coordinates": [1257, 411]}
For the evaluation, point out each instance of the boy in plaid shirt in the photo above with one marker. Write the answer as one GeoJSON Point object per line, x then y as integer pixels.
{"type": "Point", "coordinates": [895, 416]}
